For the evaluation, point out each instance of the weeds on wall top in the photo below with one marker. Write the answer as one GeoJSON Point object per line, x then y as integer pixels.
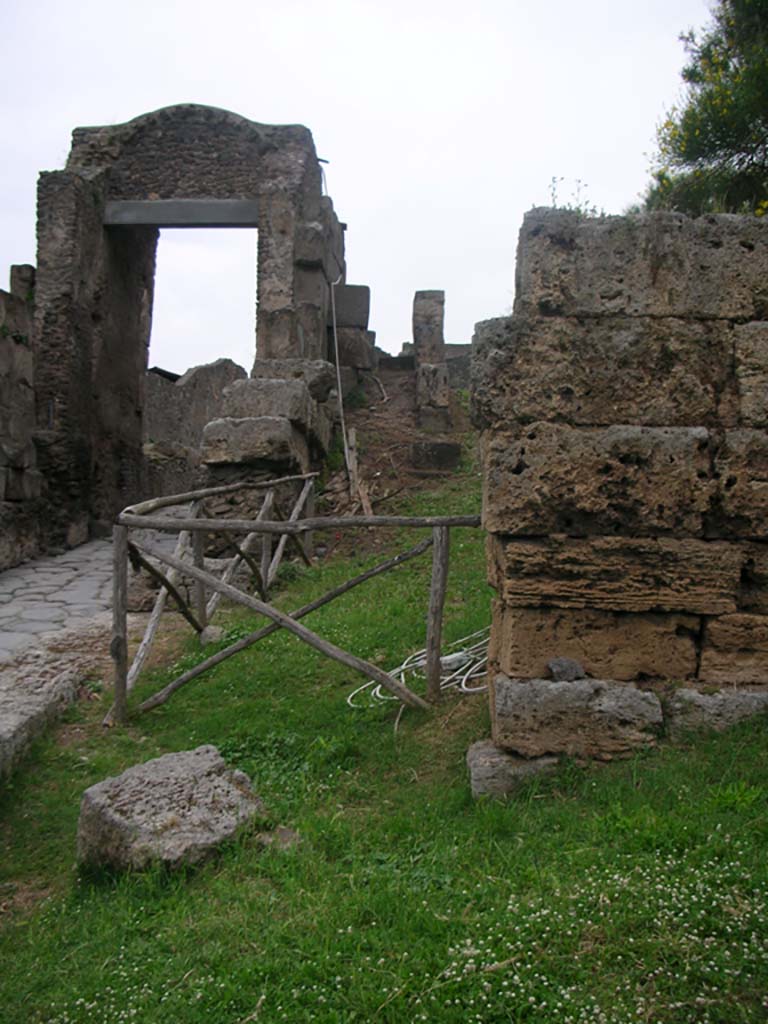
{"type": "Point", "coordinates": [578, 201]}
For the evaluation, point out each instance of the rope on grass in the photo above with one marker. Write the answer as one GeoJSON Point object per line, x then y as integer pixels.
{"type": "Point", "coordinates": [465, 661]}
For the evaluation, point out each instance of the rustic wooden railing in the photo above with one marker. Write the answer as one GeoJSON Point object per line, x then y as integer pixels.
{"type": "Point", "coordinates": [187, 561]}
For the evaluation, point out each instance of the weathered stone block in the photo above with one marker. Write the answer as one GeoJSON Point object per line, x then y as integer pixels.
{"type": "Point", "coordinates": [751, 358]}
{"type": "Point", "coordinates": [494, 772]}
{"type": "Point", "coordinates": [553, 478]}
{"type": "Point", "coordinates": [741, 508]}
{"type": "Point", "coordinates": [753, 596]}
{"type": "Point", "coordinates": [643, 371]}
{"type": "Point", "coordinates": [660, 264]}
{"type": "Point", "coordinates": [254, 440]}
{"type": "Point", "coordinates": [432, 386]}
{"type": "Point", "coordinates": [617, 574]}
{"type": "Point", "coordinates": [584, 718]}
{"type": "Point", "coordinates": [317, 374]}
{"type": "Point", "coordinates": [688, 710]}
{"type": "Point", "coordinates": [279, 398]}
{"type": "Point", "coordinates": [735, 650]}
{"type": "Point", "coordinates": [435, 420]}
{"type": "Point", "coordinates": [428, 316]}
{"type": "Point", "coordinates": [608, 645]}
{"type": "Point", "coordinates": [353, 305]}
{"type": "Point", "coordinates": [357, 348]}
{"type": "Point", "coordinates": [173, 810]}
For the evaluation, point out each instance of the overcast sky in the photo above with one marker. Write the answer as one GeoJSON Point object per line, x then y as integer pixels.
{"type": "Point", "coordinates": [442, 122]}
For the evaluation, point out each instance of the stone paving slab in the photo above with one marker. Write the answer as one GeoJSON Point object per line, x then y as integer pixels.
{"type": "Point", "coordinates": [62, 589]}
{"type": "Point", "coordinates": [54, 626]}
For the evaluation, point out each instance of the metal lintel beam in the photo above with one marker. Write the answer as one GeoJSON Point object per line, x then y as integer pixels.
{"type": "Point", "coordinates": [182, 213]}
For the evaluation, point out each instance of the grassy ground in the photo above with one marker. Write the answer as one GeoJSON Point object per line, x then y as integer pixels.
{"type": "Point", "coordinates": [630, 892]}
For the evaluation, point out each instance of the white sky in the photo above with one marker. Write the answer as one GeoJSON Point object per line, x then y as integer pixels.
{"type": "Point", "coordinates": [442, 122]}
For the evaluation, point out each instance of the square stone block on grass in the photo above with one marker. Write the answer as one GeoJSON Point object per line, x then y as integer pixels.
{"type": "Point", "coordinates": [584, 718]}
{"type": "Point", "coordinates": [175, 810]}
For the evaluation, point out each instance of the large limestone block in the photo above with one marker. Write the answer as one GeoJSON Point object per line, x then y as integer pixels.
{"type": "Point", "coordinates": [553, 478]}
{"type": "Point", "coordinates": [609, 645]}
{"type": "Point", "coordinates": [494, 772]}
{"type": "Point", "coordinates": [735, 650]}
{"type": "Point", "coordinates": [428, 318]}
{"type": "Point", "coordinates": [639, 370]}
{"type": "Point", "coordinates": [660, 264]}
{"type": "Point", "coordinates": [282, 398]}
{"type": "Point", "coordinates": [353, 305]}
{"type": "Point", "coordinates": [357, 348]}
{"type": "Point", "coordinates": [317, 374]}
{"type": "Point", "coordinates": [432, 386]}
{"type": "Point", "coordinates": [690, 710]}
{"type": "Point", "coordinates": [584, 718]}
{"type": "Point", "coordinates": [173, 810]}
{"type": "Point", "coordinates": [254, 440]}
{"type": "Point", "coordinates": [751, 358]}
{"type": "Point", "coordinates": [617, 574]}
{"type": "Point", "coordinates": [741, 463]}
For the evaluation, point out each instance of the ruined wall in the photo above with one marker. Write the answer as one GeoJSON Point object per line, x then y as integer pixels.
{"type": "Point", "coordinates": [175, 415]}
{"type": "Point", "coordinates": [93, 304]}
{"type": "Point", "coordinates": [624, 408]}
{"type": "Point", "coordinates": [21, 482]}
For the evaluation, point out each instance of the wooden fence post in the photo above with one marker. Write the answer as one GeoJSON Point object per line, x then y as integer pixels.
{"type": "Point", "coordinates": [435, 613]}
{"type": "Point", "coordinates": [118, 647]}
{"type": "Point", "coordinates": [198, 558]}
{"type": "Point", "coordinates": [266, 543]}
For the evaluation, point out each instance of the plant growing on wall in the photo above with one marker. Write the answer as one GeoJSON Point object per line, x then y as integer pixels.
{"type": "Point", "coordinates": [713, 147]}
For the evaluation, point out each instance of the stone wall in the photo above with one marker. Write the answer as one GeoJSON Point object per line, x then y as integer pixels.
{"type": "Point", "coordinates": [624, 407]}
{"type": "Point", "coordinates": [176, 410]}
{"type": "Point", "coordinates": [21, 483]}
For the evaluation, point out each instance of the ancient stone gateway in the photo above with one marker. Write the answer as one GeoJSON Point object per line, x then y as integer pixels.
{"type": "Point", "coordinates": [98, 222]}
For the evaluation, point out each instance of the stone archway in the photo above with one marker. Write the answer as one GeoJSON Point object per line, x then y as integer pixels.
{"type": "Point", "coordinates": [98, 222]}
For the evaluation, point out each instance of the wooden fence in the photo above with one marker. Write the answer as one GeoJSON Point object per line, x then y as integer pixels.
{"type": "Point", "coordinates": [263, 559]}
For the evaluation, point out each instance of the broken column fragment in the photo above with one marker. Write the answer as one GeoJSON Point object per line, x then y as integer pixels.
{"type": "Point", "coordinates": [432, 387]}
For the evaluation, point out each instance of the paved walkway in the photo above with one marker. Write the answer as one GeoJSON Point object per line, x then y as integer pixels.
{"type": "Point", "coordinates": [55, 593]}
{"type": "Point", "coordinates": [54, 633]}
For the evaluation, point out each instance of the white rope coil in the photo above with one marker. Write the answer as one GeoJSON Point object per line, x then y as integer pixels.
{"type": "Point", "coordinates": [465, 660]}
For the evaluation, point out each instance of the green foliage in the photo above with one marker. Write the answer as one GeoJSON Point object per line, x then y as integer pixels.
{"type": "Point", "coordinates": [713, 147]}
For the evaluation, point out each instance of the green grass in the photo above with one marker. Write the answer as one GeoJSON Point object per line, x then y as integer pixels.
{"type": "Point", "coordinates": [630, 892]}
